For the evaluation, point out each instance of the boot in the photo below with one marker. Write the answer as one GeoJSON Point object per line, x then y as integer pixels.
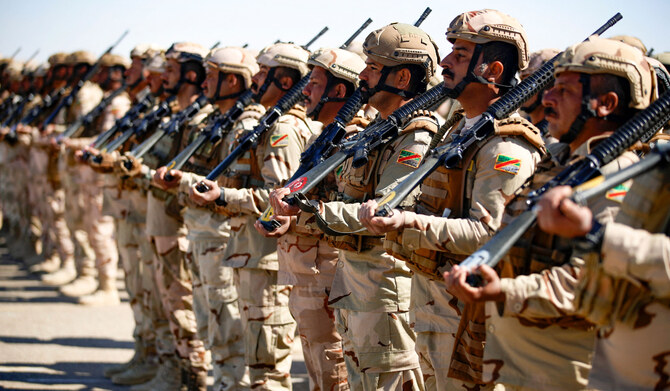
{"type": "Point", "coordinates": [83, 285]}
{"type": "Point", "coordinates": [64, 275]}
{"type": "Point", "coordinates": [107, 294]}
{"type": "Point", "coordinates": [48, 265]}
{"type": "Point", "coordinates": [167, 377]}
{"type": "Point", "coordinates": [141, 372]}
{"type": "Point", "coordinates": [118, 368]}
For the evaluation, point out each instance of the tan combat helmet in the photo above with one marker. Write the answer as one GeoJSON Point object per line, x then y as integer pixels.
{"type": "Point", "coordinates": [114, 60]}
{"type": "Point", "coordinates": [287, 55]}
{"type": "Point", "coordinates": [661, 79]}
{"type": "Point", "coordinates": [401, 44]}
{"type": "Point", "coordinates": [605, 56]}
{"type": "Point", "coordinates": [185, 52]}
{"type": "Point", "coordinates": [632, 41]}
{"type": "Point", "coordinates": [357, 47]}
{"type": "Point", "coordinates": [41, 70]}
{"type": "Point", "coordinates": [58, 59]}
{"type": "Point", "coordinates": [664, 58]}
{"type": "Point", "coordinates": [156, 63]}
{"type": "Point", "coordinates": [81, 57]}
{"type": "Point", "coordinates": [484, 26]}
{"type": "Point", "coordinates": [340, 65]}
{"type": "Point", "coordinates": [145, 51]}
{"type": "Point", "coordinates": [13, 71]}
{"type": "Point", "coordinates": [233, 60]}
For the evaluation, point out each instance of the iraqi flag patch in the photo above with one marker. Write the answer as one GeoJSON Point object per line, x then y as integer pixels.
{"type": "Point", "coordinates": [409, 158]}
{"type": "Point", "coordinates": [617, 193]}
{"type": "Point", "coordinates": [280, 140]}
{"type": "Point", "coordinates": [507, 164]}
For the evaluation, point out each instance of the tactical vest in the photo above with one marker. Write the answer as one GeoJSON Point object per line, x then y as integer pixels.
{"type": "Point", "coordinates": [358, 184]}
{"type": "Point", "coordinates": [450, 190]}
{"type": "Point", "coordinates": [246, 172]}
{"type": "Point", "coordinates": [207, 156]}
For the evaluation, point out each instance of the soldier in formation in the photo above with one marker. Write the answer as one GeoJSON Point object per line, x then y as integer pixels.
{"type": "Point", "coordinates": [180, 165]}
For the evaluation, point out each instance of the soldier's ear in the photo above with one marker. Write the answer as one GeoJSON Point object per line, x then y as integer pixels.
{"type": "Point", "coordinates": [340, 90]}
{"type": "Point", "coordinates": [403, 78]}
{"type": "Point", "coordinates": [232, 80]}
{"type": "Point", "coordinates": [607, 103]}
{"type": "Point", "coordinates": [494, 71]}
{"type": "Point", "coordinates": [191, 76]}
{"type": "Point", "coordinates": [286, 82]}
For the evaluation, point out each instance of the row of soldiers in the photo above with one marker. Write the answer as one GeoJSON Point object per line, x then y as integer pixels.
{"type": "Point", "coordinates": [578, 302]}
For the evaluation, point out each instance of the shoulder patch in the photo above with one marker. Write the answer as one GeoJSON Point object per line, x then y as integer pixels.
{"type": "Point", "coordinates": [507, 164]}
{"type": "Point", "coordinates": [279, 140]}
{"type": "Point", "coordinates": [617, 193]}
{"type": "Point", "coordinates": [409, 158]}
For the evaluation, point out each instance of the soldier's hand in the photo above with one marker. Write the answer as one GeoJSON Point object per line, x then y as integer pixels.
{"type": "Point", "coordinates": [456, 284]}
{"type": "Point", "coordinates": [207, 197]}
{"type": "Point", "coordinates": [162, 182]}
{"type": "Point", "coordinates": [285, 222]}
{"type": "Point", "coordinates": [379, 225]}
{"type": "Point", "coordinates": [279, 206]}
{"type": "Point", "coordinates": [127, 166]}
{"type": "Point", "coordinates": [560, 216]}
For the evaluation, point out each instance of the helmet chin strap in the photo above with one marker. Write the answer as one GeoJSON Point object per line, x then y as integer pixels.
{"type": "Point", "coordinates": [182, 79]}
{"type": "Point", "coordinates": [584, 115]}
{"type": "Point", "coordinates": [217, 97]}
{"type": "Point", "coordinates": [330, 83]}
{"type": "Point", "coordinates": [382, 86]}
{"type": "Point", "coordinates": [470, 76]}
{"type": "Point", "coordinates": [269, 79]}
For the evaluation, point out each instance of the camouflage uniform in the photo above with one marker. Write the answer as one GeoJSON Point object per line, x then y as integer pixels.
{"type": "Point", "coordinates": [625, 291]}
{"type": "Point", "coordinates": [473, 196]}
{"type": "Point", "coordinates": [269, 326]}
{"type": "Point", "coordinates": [217, 312]}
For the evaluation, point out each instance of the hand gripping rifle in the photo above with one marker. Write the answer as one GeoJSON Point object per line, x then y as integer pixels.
{"type": "Point", "coordinates": [293, 96]}
{"type": "Point", "coordinates": [451, 155]}
{"type": "Point", "coordinates": [374, 136]}
{"type": "Point", "coordinates": [174, 125]}
{"type": "Point", "coordinates": [212, 133]}
{"type": "Point", "coordinates": [641, 127]}
{"type": "Point", "coordinates": [80, 123]}
{"type": "Point", "coordinates": [322, 147]}
{"type": "Point", "coordinates": [68, 100]}
{"type": "Point", "coordinates": [139, 126]}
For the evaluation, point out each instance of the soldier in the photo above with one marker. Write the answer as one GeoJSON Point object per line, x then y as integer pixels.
{"type": "Point", "coordinates": [624, 287]}
{"type": "Point", "coordinates": [184, 73]}
{"type": "Point", "coordinates": [229, 73]}
{"type": "Point", "coordinates": [371, 289]}
{"type": "Point", "coordinates": [309, 262]}
{"type": "Point", "coordinates": [537, 343]}
{"type": "Point", "coordinates": [467, 201]}
{"type": "Point", "coordinates": [269, 328]}
{"type": "Point", "coordinates": [533, 109]}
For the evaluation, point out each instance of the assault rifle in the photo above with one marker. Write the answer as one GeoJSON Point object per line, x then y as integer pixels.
{"type": "Point", "coordinates": [150, 120]}
{"type": "Point", "coordinates": [451, 155]}
{"type": "Point", "coordinates": [146, 101]}
{"type": "Point", "coordinates": [641, 127]}
{"type": "Point", "coordinates": [293, 96]}
{"type": "Point", "coordinates": [80, 123]}
{"type": "Point", "coordinates": [212, 133]}
{"type": "Point", "coordinates": [374, 136]}
{"type": "Point", "coordinates": [172, 126]}
{"type": "Point", "coordinates": [423, 17]}
{"type": "Point", "coordinates": [356, 34]}
{"type": "Point", "coordinates": [323, 31]}
{"type": "Point", "coordinates": [68, 100]}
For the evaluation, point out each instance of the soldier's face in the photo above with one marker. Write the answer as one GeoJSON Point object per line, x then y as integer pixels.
{"type": "Point", "coordinates": [455, 64]}
{"type": "Point", "coordinates": [134, 73]}
{"type": "Point", "coordinates": [155, 82]}
{"type": "Point", "coordinates": [171, 74]}
{"type": "Point", "coordinates": [315, 88]}
{"type": "Point", "coordinates": [371, 74]}
{"type": "Point", "coordinates": [563, 103]}
{"type": "Point", "coordinates": [211, 80]}
{"type": "Point", "coordinates": [259, 78]}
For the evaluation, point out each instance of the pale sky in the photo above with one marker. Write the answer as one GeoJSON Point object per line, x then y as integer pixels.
{"type": "Point", "coordinates": [69, 25]}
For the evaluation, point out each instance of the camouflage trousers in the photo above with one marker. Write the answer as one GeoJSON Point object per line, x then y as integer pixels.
{"type": "Point", "coordinates": [56, 237]}
{"type": "Point", "coordinates": [269, 328]}
{"type": "Point", "coordinates": [379, 350]}
{"type": "Point", "coordinates": [216, 307]}
{"type": "Point", "coordinates": [321, 343]}
{"type": "Point", "coordinates": [434, 351]}
{"type": "Point", "coordinates": [175, 287]}
{"type": "Point", "coordinates": [135, 252]}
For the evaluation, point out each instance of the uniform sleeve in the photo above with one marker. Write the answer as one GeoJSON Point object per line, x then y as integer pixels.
{"type": "Point", "coordinates": [281, 158]}
{"type": "Point", "coordinates": [639, 254]}
{"type": "Point", "coordinates": [547, 294]}
{"type": "Point", "coordinates": [500, 168]}
{"type": "Point", "coordinates": [398, 162]}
